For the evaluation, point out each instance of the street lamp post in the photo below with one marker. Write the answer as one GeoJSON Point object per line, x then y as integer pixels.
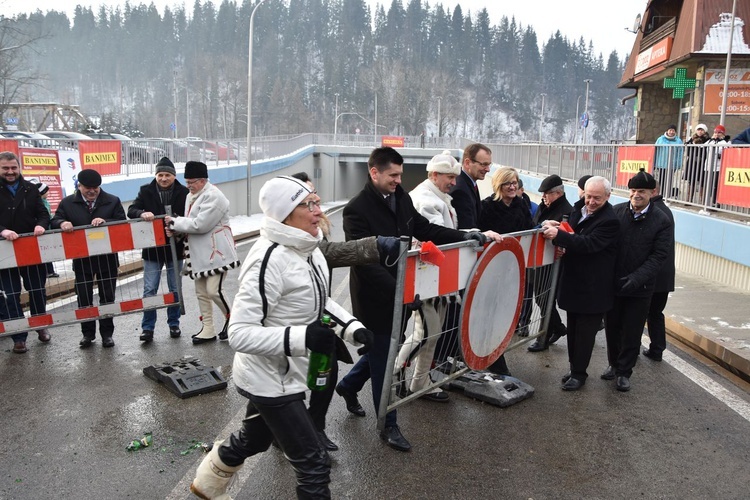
{"type": "Point", "coordinates": [586, 108]}
{"type": "Point", "coordinates": [440, 100]}
{"type": "Point", "coordinates": [335, 116]}
{"type": "Point", "coordinates": [336, 122]}
{"type": "Point", "coordinates": [541, 117]}
{"type": "Point", "coordinates": [250, 109]}
{"type": "Point", "coordinates": [729, 64]}
{"type": "Point", "coordinates": [575, 121]}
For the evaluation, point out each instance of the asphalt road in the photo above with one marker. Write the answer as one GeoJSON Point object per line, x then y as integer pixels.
{"type": "Point", "coordinates": [683, 431]}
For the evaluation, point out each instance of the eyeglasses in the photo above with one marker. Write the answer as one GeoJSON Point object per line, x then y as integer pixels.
{"type": "Point", "coordinates": [513, 183]}
{"type": "Point", "coordinates": [485, 164]}
{"type": "Point", "coordinates": [311, 205]}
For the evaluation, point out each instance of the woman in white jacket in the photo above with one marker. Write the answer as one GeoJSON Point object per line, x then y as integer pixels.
{"type": "Point", "coordinates": [275, 320]}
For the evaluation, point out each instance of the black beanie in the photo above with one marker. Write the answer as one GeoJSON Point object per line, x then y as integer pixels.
{"type": "Point", "coordinates": [196, 170]}
{"type": "Point", "coordinates": [642, 180]}
{"type": "Point", "coordinates": [89, 178]}
{"type": "Point", "coordinates": [166, 165]}
{"type": "Point", "coordinates": [582, 181]}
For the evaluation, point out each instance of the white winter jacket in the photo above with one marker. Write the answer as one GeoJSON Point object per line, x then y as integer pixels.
{"type": "Point", "coordinates": [283, 288]}
{"type": "Point", "coordinates": [434, 204]}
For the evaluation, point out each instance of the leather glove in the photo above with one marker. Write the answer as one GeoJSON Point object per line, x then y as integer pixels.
{"type": "Point", "coordinates": [319, 338]}
{"type": "Point", "coordinates": [477, 236]}
{"type": "Point", "coordinates": [627, 285]}
{"type": "Point", "coordinates": [416, 304]}
{"type": "Point", "coordinates": [388, 247]}
{"type": "Point", "coordinates": [366, 338]}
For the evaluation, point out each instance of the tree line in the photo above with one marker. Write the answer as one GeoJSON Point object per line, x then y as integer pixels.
{"type": "Point", "coordinates": [139, 70]}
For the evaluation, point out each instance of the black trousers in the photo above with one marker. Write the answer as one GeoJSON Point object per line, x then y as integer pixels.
{"type": "Point", "coordinates": [290, 424]}
{"type": "Point", "coordinates": [657, 331]}
{"type": "Point", "coordinates": [106, 281]}
{"type": "Point", "coordinates": [34, 279]}
{"type": "Point", "coordinates": [582, 329]}
{"type": "Point", "coordinates": [542, 282]}
{"type": "Point", "coordinates": [624, 330]}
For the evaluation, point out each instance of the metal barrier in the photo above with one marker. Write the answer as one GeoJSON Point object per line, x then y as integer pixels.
{"type": "Point", "coordinates": [516, 304]}
{"type": "Point", "coordinates": [26, 260]}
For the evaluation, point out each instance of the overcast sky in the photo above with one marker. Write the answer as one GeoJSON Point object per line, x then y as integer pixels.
{"type": "Point", "coordinates": [602, 21]}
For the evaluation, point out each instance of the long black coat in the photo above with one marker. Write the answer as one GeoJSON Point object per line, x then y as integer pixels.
{"type": "Point", "coordinates": [148, 200]}
{"type": "Point", "coordinates": [73, 208]}
{"type": "Point", "coordinates": [665, 278]}
{"type": "Point", "coordinates": [588, 267]}
{"type": "Point", "coordinates": [559, 208]}
{"type": "Point", "coordinates": [24, 211]}
{"type": "Point", "coordinates": [501, 218]}
{"type": "Point", "coordinates": [373, 286]}
{"type": "Point", "coordinates": [466, 201]}
{"type": "Point", "coordinates": [644, 250]}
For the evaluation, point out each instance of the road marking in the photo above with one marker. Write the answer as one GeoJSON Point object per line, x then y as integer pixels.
{"type": "Point", "coordinates": [181, 490]}
{"type": "Point", "coordinates": [716, 390]}
{"type": "Point", "coordinates": [336, 295]}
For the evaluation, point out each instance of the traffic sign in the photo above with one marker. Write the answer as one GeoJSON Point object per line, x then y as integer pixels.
{"type": "Point", "coordinates": [172, 127]}
{"type": "Point", "coordinates": [585, 120]}
{"type": "Point", "coordinates": [11, 120]}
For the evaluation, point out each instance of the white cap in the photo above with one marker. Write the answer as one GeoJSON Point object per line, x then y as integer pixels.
{"type": "Point", "coordinates": [281, 195]}
{"type": "Point", "coordinates": [444, 163]}
{"type": "Point", "coordinates": [703, 126]}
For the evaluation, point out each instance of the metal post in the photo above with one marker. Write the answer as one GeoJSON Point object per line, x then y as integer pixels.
{"type": "Point", "coordinates": [541, 118]}
{"type": "Point", "coordinates": [376, 119]}
{"type": "Point", "coordinates": [439, 128]}
{"type": "Point", "coordinates": [335, 117]}
{"type": "Point", "coordinates": [250, 109]}
{"type": "Point", "coordinates": [174, 98]}
{"type": "Point", "coordinates": [175, 264]}
{"type": "Point", "coordinates": [729, 64]}
{"type": "Point", "coordinates": [586, 108]}
{"type": "Point", "coordinates": [575, 122]}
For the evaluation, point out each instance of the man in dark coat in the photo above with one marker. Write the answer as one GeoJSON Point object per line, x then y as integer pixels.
{"type": "Point", "coordinates": [646, 238]}
{"type": "Point", "coordinates": [586, 288]}
{"type": "Point", "coordinates": [475, 165]}
{"type": "Point", "coordinates": [554, 206]}
{"type": "Point", "coordinates": [90, 205]}
{"type": "Point", "coordinates": [152, 200]}
{"type": "Point", "coordinates": [383, 208]}
{"type": "Point", "coordinates": [21, 211]}
{"type": "Point", "coordinates": [657, 331]}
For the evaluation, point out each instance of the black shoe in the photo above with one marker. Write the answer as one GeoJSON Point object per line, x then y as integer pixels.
{"type": "Point", "coordinates": [623, 384]}
{"type": "Point", "coordinates": [566, 377]}
{"type": "Point", "coordinates": [393, 437]}
{"type": "Point", "coordinates": [327, 443]}
{"type": "Point", "coordinates": [609, 374]}
{"type": "Point", "coordinates": [352, 402]}
{"type": "Point", "coordinates": [223, 335]}
{"type": "Point", "coordinates": [147, 336]}
{"type": "Point", "coordinates": [53, 275]}
{"type": "Point", "coordinates": [85, 342]}
{"type": "Point", "coordinates": [108, 342]}
{"type": "Point", "coordinates": [538, 346]}
{"type": "Point", "coordinates": [557, 335]}
{"type": "Point", "coordinates": [651, 355]}
{"type": "Point", "coordinates": [175, 332]}
{"type": "Point", "coordinates": [200, 340]}
{"type": "Point", "coordinates": [573, 384]}
{"type": "Point", "coordinates": [438, 397]}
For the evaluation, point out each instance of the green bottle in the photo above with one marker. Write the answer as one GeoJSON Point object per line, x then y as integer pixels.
{"type": "Point", "coordinates": [144, 442]}
{"type": "Point", "coordinates": [319, 369]}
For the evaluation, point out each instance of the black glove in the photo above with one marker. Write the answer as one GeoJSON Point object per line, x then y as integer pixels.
{"type": "Point", "coordinates": [319, 338]}
{"type": "Point", "coordinates": [389, 247]}
{"type": "Point", "coordinates": [476, 235]}
{"type": "Point", "coordinates": [415, 304]}
{"type": "Point", "coordinates": [627, 285]}
{"type": "Point", "coordinates": [366, 338]}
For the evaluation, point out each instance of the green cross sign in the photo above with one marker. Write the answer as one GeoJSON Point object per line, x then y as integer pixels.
{"type": "Point", "coordinates": [679, 83]}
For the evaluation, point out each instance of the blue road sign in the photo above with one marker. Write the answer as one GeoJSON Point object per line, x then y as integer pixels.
{"type": "Point", "coordinates": [585, 120]}
{"type": "Point", "coordinates": [172, 126]}
{"type": "Point", "coordinates": [11, 120]}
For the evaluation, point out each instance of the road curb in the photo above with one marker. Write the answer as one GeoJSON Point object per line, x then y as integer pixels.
{"type": "Point", "coordinates": [723, 356]}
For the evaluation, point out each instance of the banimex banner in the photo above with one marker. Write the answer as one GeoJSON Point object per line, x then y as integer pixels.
{"type": "Point", "coordinates": [42, 165]}
{"type": "Point", "coordinates": [392, 141]}
{"type": "Point", "coordinates": [630, 159]}
{"type": "Point", "coordinates": [103, 156]}
{"type": "Point", "coordinates": [734, 181]}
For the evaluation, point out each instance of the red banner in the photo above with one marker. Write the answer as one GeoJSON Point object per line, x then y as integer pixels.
{"type": "Point", "coordinates": [103, 156]}
{"type": "Point", "coordinates": [42, 166]}
{"type": "Point", "coordinates": [630, 159]}
{"type": "Point", "coordinates": [392, 141]}
{"type": "Point", "coordinates": [9, 145]}
{"type": "Point", "coordinates": [734, 181]}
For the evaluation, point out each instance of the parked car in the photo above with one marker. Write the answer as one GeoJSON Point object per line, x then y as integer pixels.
{"type": "Point", "coordinates": [213, 151]}
{"type": "Point", "coordinates": [66, 138]}
{"type": "Point", "coordinates": [132, 151]}
{"type": "Point", "coordinates": [29, 139]}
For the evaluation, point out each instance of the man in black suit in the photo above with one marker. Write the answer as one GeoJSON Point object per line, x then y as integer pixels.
{"type": "Point", "coordinates": [586, 288]}
{"type": "Point", "coordinates": [383, 208]}
{"type": "Point", "coordinates": [475, 165]}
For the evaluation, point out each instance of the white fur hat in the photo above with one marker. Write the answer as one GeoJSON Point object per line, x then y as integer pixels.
{"type": "Point", "coordinates": [444, 163]}
{"type": "Point", "coordinates": [281, 195]}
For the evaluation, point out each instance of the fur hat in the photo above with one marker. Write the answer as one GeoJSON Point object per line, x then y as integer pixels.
{"type": "Point", "coordinates": [89, 178]}
{"type": "Point", "coordinates": [166, 165]}
{"type": "Point", "coordinates": [582, 181]}
{"type": "Point", "coordinates": [444, 163]}
{"type": "Point", "coordinates": [720, 128]}
{"type": "Point", "coordinates": [642, 180]}
{"type": "Point", "coordinates": [196, 170]}
{"type": "Point", "coordinates": [702, 126]}
{"type": "Point", "coordinates": [549, 182]}
{"type": "Point", "coordinates": [42, 187]}
{"type": "Point", "coordinates": [280, 196]}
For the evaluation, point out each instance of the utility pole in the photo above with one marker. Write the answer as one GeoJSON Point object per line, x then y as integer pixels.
{"type": "Point", "coordinates": [728, 68]}
{"type": "Point", "coordinates": [440, 100]}
{"type": "Point", "coordinates": [250, 109]}
{"type": "Point", "coordinates": [541, 117]}
{"type": "Point", "coordinates": [174, 98]}
{"type": "Point", "coordinates": [586, 108]}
